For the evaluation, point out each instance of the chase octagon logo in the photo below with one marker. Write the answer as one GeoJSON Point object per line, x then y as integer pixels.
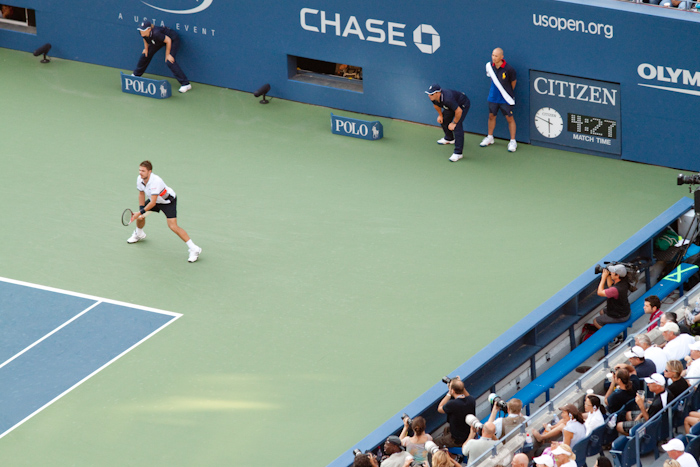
{"type": "Point", "coordinates": [431, 32]}
{"type": "Point", "coordinates": [196, 6]}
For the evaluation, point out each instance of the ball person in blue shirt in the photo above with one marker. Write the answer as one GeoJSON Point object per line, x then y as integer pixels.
{"type": "Point", "coordinates": [154, 38]}
{"type": "Point", "coordinates": [452, 107]}
{"type": "Point", "coordinates": [501, 96]}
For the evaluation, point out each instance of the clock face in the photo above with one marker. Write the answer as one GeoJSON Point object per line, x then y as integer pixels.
{"type": "Point", "coordinates": [548, 122]}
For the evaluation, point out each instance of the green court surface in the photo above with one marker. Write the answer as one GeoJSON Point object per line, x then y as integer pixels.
{"type": "Point", "coordinates": [340, 278]}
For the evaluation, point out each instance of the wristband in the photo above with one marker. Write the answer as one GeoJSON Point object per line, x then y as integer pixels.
{"type": "Point", "coordinates": [142, 211]}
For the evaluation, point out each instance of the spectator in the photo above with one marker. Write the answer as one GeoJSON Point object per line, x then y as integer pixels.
{"type": "Point", "coordinates": [394, 455]}
{"type": "Point", "coordinates": [456, 404]}
{"type": "Point", "coordinates": [474, 448]}
{"type": "Point", "coordinates": [652, 307]}
{"type": "Point", "coordinates": [442, 458]}
{"type": "Point", "coordinates": [676, 347]}
{"type": "Point", "coordinates": [620, 392]}
{"type": "Point", "coordinates": [676, 451]}
{"type": "Point", "coordinates": [657, 385]}
{"type": "Point", "coordinates": [681, 5]}
{"type": "Point", "coordinates": [564, 456]}
{"type": "Point", "coordinates": [674, 370]}
{"type": "Point", "coordinates": [643, 367]}
{"type": "Point", "coordinates": [7, 11]}
{"type": "Point", "coordinates": [570, 427]}
{"type": "Point", "coordinates": [505, 425]}
{"type": "Point", "coordinates": [415, 445]}
{"type": "Point", "coordinates": [634, 379]}
{"type": "Point", "coordinates": [693, 363]}
{"type": "Point", "coordinates": [501, 96]}
{"type": "Point", "coordinates": [595, 413]}
{"type": "Point", "coordinates": [365, 460]}
{"type": "Point", "coordinates": [520, 460]}
{"type": "Point", "coordinates": [544, 460]}
{"type": "Point", "coordinates": [652, 352]}
{"type": "Point", "coordinates": [615, 286]}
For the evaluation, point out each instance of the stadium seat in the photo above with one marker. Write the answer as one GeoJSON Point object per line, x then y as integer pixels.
{"type": "Point", "coordinates": [580, 450]}
{"type": "Point", "coordinates": [693, 447]}
{"type": "Point", "coordinates": [621, 453]}
{"type": "Point", "coordinates": [649, 440]}
{"type": "Point", "coordinates": [681, 409]}
{"type": "Point", "coordinates": [595, 444]}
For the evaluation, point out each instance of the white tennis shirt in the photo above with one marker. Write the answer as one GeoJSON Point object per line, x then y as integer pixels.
{"type": "Point", "coordinates": [155, 186]}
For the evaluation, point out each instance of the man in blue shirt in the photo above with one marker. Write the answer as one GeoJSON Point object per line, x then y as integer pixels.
{"type": "Point", "coordinates": [154, 38]}
{"type": "Point", "coordinates": [452, 107]}
{"type": "Point", "coordinates": [501, 96]}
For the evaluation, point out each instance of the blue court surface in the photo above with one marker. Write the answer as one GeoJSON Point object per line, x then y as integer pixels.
{"type": "Point", "coordinates": [52, 340]}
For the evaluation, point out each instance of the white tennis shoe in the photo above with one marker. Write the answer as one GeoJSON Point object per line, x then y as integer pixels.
{"type": "Point", "coordinates": [455, 157]}
{"type": "Point", "coordinates": [445, 141]}
{"type": "Point", "coordinates": [512, 146]}
{"type": "Point", "coordinates": [194, 255]}
{"type": "Point", "coordinates": [135, 237]}
{"type": "Point", "coordinates": [185, 88]}
{"type": "Point", "coordinates": [487, 141]}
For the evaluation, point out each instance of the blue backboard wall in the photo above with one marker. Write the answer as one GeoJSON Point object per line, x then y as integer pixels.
{"type": "Point", "coordinates": [403, 47]}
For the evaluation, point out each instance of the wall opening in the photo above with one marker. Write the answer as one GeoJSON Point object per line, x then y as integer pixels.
{"type": "Point", "coordinates": [16, 18]}
{"type": "Point", "coordinates": [321, 73]}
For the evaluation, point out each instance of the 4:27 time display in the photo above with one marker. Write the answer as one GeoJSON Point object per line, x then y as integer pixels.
{"type": "Point", "coordinates": [594, 126]}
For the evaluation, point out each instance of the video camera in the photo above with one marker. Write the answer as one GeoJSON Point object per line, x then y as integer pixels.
{"type": "Point", "coordinates": [636, 266]}
{"type": "Point", "coordinates": [688, 179]}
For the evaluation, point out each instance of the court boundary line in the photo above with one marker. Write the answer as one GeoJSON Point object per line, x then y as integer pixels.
{"type": "Point", "coordinates": [90, 297]}
{"type": "Point", "coordinates": [99, 300]}
{"type": "Point", "coordinates": [33, 344]}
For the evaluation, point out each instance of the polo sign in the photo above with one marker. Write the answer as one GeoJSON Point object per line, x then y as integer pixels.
{"type": "Point", "coordinates": [158, 89]}
{"type": "Point", "coordinates": [362, 129]}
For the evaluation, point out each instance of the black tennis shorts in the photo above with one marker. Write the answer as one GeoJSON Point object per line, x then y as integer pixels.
{"type": "Point", "coordinates": [170, 210]}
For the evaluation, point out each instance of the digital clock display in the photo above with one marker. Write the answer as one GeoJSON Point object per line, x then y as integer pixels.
{"type": "Point", "coordinates": [593, 126]}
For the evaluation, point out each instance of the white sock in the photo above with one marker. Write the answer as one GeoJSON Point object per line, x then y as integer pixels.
{"type": "Point", "coordinates": [139, 231]}
{"type": "Point", "coordinates": [191, 245]}
{"type": "Point", "coordinates": [512, 141]}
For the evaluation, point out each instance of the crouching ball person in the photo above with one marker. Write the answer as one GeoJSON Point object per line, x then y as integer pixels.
{"type": "Point", "coordinates": [161, 198]}
{"type": "Point", "coordinates": [154, 38]}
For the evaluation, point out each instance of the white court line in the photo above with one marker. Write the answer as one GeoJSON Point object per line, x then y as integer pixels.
{"type": "Point", "coordinates": [51, 333]}
{"type": "Point", "coordinates": [91, 297]}
{"type": "Point", "coordinates": [99, 300]}
{"type": "Point", "coordinates": [84, 379]}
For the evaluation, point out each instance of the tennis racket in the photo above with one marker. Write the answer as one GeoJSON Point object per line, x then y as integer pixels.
{"type": "Point", "coordinates": [128, 215]}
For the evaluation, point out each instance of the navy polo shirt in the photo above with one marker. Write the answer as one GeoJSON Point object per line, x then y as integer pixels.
{"type": "Point", "coordinates": [158, 34]}
{"type": "Point", "coordinates": [450, 99]}
{"type": "Point", "coordinates": [506, 75]}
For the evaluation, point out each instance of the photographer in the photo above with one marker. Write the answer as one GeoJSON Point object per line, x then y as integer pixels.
{"type": "Point", "coordinates": [415, 445]}
{"type": "Point", "coordinates": [505, 425]}
{"type": "Point", "coordinates": [394, 455]}
{"type": "Point", "coordinates": [456, 404]}
{"type": "Point", "coordinates": [474, 448]}
{"type": "Point", "coordinates": [615, 286]}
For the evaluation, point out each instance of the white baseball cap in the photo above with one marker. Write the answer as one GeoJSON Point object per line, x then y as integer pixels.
{"type": "Point", "coordinates": [674, 445]}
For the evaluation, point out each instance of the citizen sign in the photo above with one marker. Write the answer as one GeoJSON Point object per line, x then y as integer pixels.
{"type": "Point", "coordinates": [356, 128]}
{"type": "Point", "coordinates": [425, 37]}
{"type": "Point", "coordinates": [158, 89]}
{"type": "Point", "coordinates": [575, 91]}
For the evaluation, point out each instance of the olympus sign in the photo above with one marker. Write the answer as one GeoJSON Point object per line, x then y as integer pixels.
{"type": "Point", "coordinates": [425, 37]}
{"type": "Point", "coordinates": [665, 74]}
{"type": "Point", "coordinates": [196, 9]}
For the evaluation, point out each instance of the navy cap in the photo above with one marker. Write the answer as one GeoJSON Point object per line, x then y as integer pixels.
{"type": "Point", "coordinates": [433, 89]}
{"type": "Point", "coordinates": [145, 25]}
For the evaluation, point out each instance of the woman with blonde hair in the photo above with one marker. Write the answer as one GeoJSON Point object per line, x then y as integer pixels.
{"type": "Point", "coordinates": [564, 456]}
{"type": "Point", "coordinates": [672, 463]}
{"type": "Point", "coordinates": [442, 459]}
{"type": "Point", "coordinates": [678, 384]}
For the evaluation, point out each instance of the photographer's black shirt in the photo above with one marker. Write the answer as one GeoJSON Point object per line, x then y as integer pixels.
{"type": "Point", "coordinates": [457, 410]}
{"type": "Point", "coordinates": [619, 307]}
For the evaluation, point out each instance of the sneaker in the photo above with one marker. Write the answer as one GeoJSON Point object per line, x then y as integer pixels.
{"type": "Point", "coordinates": [487, 141]}
{"type": "Point", "coordinates": [194, 255]}
{"type": "Point", "coordinates": [135, 237]}
{"type": "Point", "coordinates": [445, 141]}
{"type": "Point", "coordinates": [689, 317]}
{"type": "Point", "coordinates": [185, 88]}
{"type": "Point", "coordinates": [512, 146]}
{"type": "Point", "coordinates": [455, 157]}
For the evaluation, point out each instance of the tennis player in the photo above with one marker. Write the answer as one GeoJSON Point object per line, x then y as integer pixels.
{"type": "Point", "coordinates": [161, 198]}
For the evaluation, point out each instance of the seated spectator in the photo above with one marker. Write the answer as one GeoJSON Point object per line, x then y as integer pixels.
{"type": "Point", "coordinates": [507, 424]}
{"type": "Point", "coordinates": [614, 285]}
{"type": "Point", "coordinates": [442, 458]}
{"type": "Point", "coordinates": [678, 384]}
{"type": "Point", "coordinates": [570, 427]}
{"type": "Point", "coordinates": [520, 460]}
{"type": "Point", "coordinates": [642, 367]}
{"type": "Point", "coordinates": [474, 448]}
{"type": "Point", "coordinates": [564, 456]}
{"type": "Point", "coordinates": [7, 11]}
{"type": "Point", "coordinates": [620, 392]}
{"type": "Point", "coordinates": [415, 445]}
{"type": "Point", "coordinates": [456, 404]}
{"type": "Point", "coordinates": [657, 385]}
{"type": "Point", "coordinates": [595, 413]}
{"type": "Point", "coordinates": [602, 461]}
{"type": "Point", "coordinates": [394, 455]}
{"type": "Point", "coordinates": [676, 451]}
{"type": "Point", "coordinates": [652, 307]}
{"type": "Point", "coordinates": [674, 4]}
{"type": "Point", "coordinates": [652, 352]}
{"type": "Point", "coordinates": [544, 460]}
{"type": "Point", "coordinates": [676, 347]}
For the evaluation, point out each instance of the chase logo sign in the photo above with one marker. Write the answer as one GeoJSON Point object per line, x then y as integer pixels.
{"type": "Point", "coordinates": [187, 6]}
{"type": "Point", "coordinates": [158, 89]}
{"type": "Point", "coordinates": [362, 129]}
